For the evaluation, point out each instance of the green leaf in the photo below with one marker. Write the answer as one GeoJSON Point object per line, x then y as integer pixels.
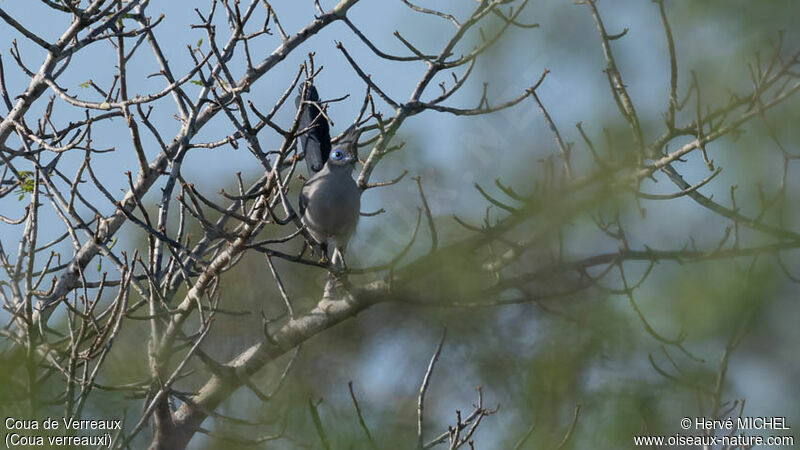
{"type": "Point", "coordinates": [199, 43]}
{"type": "Point", "coordinates": [197, 82]}
{"type": "Point", "coordinates": [25, 184]}
{"type": "Point", "coordinates": [84, 85]}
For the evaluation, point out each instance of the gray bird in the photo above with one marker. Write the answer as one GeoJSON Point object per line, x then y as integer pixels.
{"type": "Point", "coordinates": [330, 200]}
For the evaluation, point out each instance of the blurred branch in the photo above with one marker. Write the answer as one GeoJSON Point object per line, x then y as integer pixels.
{"type": "Point", "coordinates": [571, 428]}
{"type": "Point", "coordinates": [424, 388]}
{"type": "Point", "coordinates": [361, 417]}
{"type": "Point", "coordinates": [312, 406]}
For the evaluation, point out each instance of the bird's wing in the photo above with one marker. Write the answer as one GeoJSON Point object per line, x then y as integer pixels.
{"type": "Point", "coordinates": [316, 141]}
{"type": "Point", "coordinates": [302, 202]}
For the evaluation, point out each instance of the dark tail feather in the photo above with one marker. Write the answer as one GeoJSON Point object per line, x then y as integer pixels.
{"type": "Point", "coordinates": [316, 142]}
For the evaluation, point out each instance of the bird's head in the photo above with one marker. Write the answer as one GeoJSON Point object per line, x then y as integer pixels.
{"type": "Point", "coordinates": [342, 157]}
{"type": "Point", "coordinates": [345, 154]}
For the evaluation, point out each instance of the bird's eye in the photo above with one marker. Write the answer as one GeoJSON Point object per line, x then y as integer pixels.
{"type": "Point", "coordinates": [337, 155]}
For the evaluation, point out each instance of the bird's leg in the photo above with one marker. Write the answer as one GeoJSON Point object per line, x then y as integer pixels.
{"type": "Point", "coordinates": [323, 252]}
{"type": "Point", "coordinates": [316, 248]}
{"type": "Point", "coordinates": [338, 265]}
{"type": "Point", "coordinates": [332, 280]}
{"type": "Point", "coordinates": [338, 259]}
{"type": "Point", "coordinates": [337, 274]}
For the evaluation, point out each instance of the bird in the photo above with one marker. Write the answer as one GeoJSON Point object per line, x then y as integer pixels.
{"type": "Point", "coordinates": [330, 200]}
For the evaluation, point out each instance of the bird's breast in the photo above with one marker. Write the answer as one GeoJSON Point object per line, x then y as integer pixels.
{"type": "Point", "coordinates": [333, 206]}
